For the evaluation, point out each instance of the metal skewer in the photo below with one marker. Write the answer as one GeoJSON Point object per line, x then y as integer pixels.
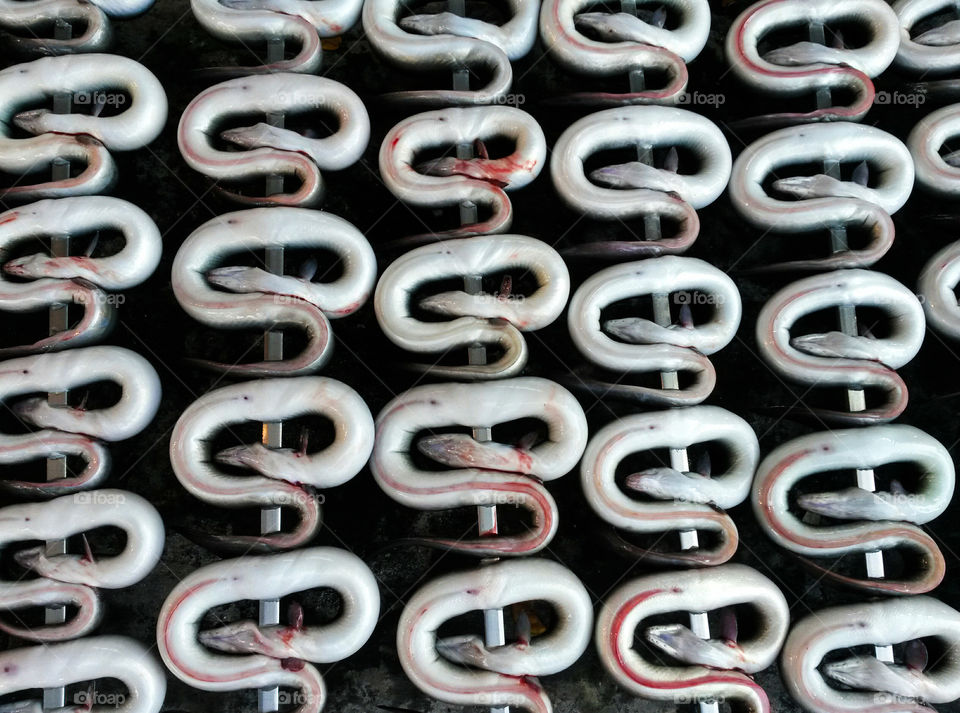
{"type": "Point", "coordinates": [58, 321]}
{"type": "Point", "coordinates": [679, 460]}
{"type": "Point", "coordinates": [494, 633]}
{"type": "Point", "coordinates": [269, 614]}
{"type": "Point", "coordinates": [856, 399]}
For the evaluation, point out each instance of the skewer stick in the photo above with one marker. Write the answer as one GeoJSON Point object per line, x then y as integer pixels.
{"type": "Point", "coordinates": [494, 633]}
{"type": "Point", "coordinates": [856, 399]}
{"type": "Point", "coordinates": [461, 75]}
{"type": "Point", "coordinates": [58, 321]}
{"type": "Point", "coordinates": [679, 460]}
{"type": "Point", "coordinates": [269, 614]}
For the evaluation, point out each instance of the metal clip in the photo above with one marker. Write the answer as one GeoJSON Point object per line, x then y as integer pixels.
{"type": "Point", "coordinates": [84, 76]}
{"type": "Point", "coordinates": [74, 280]}
{"type": "Point", "coordinates": [936, 286]}
{"type": "Point", "coordinates": [935, 50]}
{"type": "Point", "coordinates": [636, 190]}
{"type": "Point", "coordinates": [676, 501]}
{"type": "Point", "coordinates": [450, 180]}
{"type": "Point", "coordinates": [626, 45]}
{"type": "Point", "coordinates": [504, 675]}
{"type": "Point", "coordinates": [71, 578]}
{"type": "Point", "coordinates": [275, 655]}
{"type": "Point", "coordinates": [67, 370]}
{"type": "Point", "coordinates": [809, 67]}
{"type": "Point", "coordinates": [640, 345]}
{"type": "Point", "coordinates": [482, 473]}
{"type": "Point", "coordinates": [89, 659]}
{"type": "Point", "coordinates": [298, 22]}
{"type": "Point", "coordinates": [877, 685]}
{"type": "Point", "coordinates": [714, 669]}
{"type": "Point", "coordinates": [251, 297]}
{"type": "Point", "coordinates": [477, 318]}
{"type": "Point", "coordinates": [444, 40]}
{"type": "Point", "coordinates": [24, 22]}
{"type": "Point", "coordinates": [86, 138]}
{"type": "Point", "coordinates": [74, 431]}
{"type": "Point", "coordinates": [126, 268]}
{"type": "Point", "coordinates": [837, 359]}
{"type": "Point", "coordinates": [826, 202]}
{"type": "Point", "coordinates": [884, 518]}
{"type": "Point", "coordinates": [270, 150]}
{"type": "Point", "coordinates": [284, 477]}
{"type": "Point", "coordinates": [939, 174]}
{"type": "Point", "coordinates": [36, 17]}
